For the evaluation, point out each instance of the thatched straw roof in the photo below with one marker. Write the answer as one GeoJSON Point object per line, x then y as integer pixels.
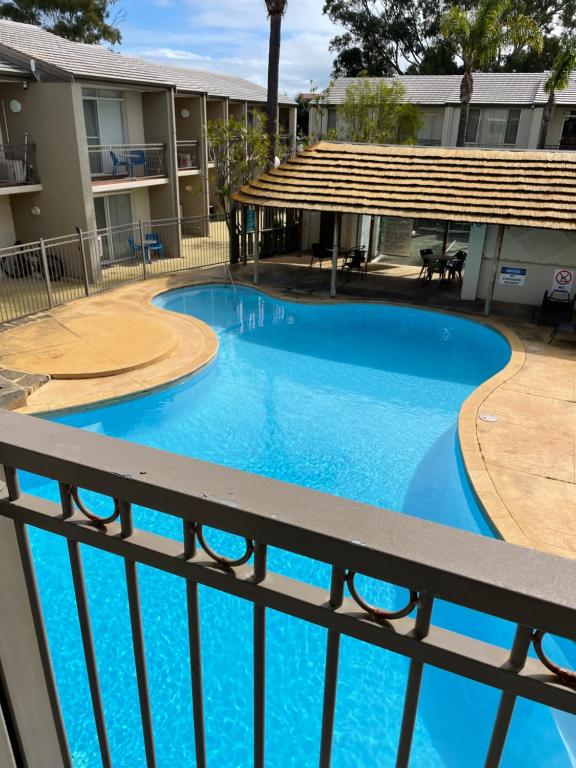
{"type": "Point", "coordinates": [527, 189]}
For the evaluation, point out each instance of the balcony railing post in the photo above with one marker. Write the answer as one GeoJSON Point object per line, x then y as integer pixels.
{"type": "Point", "coordinates": [84, 261]}
{"type": "Point", "coordinates": [46, 272]}
{"type": "Point", "coordinates": [24, 653]}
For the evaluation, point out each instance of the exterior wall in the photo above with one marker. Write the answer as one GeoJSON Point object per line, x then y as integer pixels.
{"type": "Point", "coordinates": [160, 128]}
{"type": "Point", "coordinates": [190, 127]}
{"type": "Point", "coordinates": [215, 109]}
{"type": "Point", "coordinates": [238, 109]}
{"type": "Point", "coordinates": [192, 198]}
{"type": "Point", "coordinates": [141, 204]}
{"type": "Point", "coordinates": [534, 135]}
{"type": "Point", "coordinates": [556, 125]}
{"type": "Point", "coordinates": [52, 113]}
{"type": "Point", "coordinates": [524, 126]}
{"type": "Point", "coordinates": [7, 232]}
{"type": "Point", "coordinates": [539, 251]}
{"type": "Point", "coordinates": [134, 117]}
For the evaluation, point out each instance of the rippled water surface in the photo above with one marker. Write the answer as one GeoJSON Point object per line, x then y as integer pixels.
{"type": "Point", "coordinates": [360, 401]}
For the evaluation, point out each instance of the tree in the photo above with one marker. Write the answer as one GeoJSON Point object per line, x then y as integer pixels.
{"type": "Point", "coordinates": [376, 112]}
{"type": "Point", "coordinates": [558, 80]}
{"type": "Point", "coordinates": [84, 21]}
{"type": "Point", "coordinates": [479, 36]}
{"type": "Point", "coordinates": [276, 10]}
{"type": "Point", "coordinates": [392, 37]}
{"type": "Point", "coordinates": [239, 153]}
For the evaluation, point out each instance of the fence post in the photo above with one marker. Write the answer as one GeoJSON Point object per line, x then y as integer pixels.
{"type": "Point", "coordinates": [143, 246]}
{"type": "Point", "coordinates": [46, 272]}
{"type": "Point", "coordinates": [84, 263]}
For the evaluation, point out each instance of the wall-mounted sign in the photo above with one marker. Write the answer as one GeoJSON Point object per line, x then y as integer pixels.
{"type": "Point", "coordinates": [563, 280]}
{"type": "Point", "coordinates": [512, 276]}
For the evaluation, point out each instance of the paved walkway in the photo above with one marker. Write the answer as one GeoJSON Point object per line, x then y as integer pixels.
{"type": "Point", "coordinates": [517, 431]}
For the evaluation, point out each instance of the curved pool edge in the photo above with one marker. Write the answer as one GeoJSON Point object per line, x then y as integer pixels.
{"type": "Point", "coordinates": [484, 489]}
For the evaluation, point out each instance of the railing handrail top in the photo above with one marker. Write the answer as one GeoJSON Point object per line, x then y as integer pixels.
{"type": "Point", "coordinates": [187, 141]}
{"type": "Point", "coordinates": [8, 144]}
{"type": "Point", "coordinates": [126, 146]}
{"type": "Point", "coordinates": [484, 574]}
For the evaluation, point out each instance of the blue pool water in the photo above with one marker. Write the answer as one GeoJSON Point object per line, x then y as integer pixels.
{"type": "Point", "coordinates": [360, 401]}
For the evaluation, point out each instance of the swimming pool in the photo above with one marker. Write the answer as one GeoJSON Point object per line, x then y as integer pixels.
{"type": "Point", "coordinates": [357, 400]}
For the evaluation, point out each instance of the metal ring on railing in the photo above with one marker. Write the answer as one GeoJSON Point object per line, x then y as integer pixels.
{"type": "Point", "coordinates": [220, 559]}
{"type": "Point", "coordinates": [566, 676]}
{"type": "Point", "coordinates": [74, 492]}
{"type": "Point", "coordinates": [379, 613]}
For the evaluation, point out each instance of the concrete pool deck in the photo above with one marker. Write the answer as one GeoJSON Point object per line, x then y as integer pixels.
{"type": "Point", "coordinates": [517, 431]}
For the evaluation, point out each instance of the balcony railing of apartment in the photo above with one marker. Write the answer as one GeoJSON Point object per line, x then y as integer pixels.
{"type": "Point", "coordinates": [428, 142]}
{"type": "Point", "coordinates": [17, 164]}
{"type": "Point", "coordinates": [561, 147]}
{"type": "Point", "coordinates": [535, 592]}
{"type": "Point", "coordinates": [122, 162]}
{"type": "Point", "coordinates": [188, 153]}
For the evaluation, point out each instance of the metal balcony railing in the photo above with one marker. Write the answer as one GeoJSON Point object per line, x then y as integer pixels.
{"type": "Point", "coordinates": [122, 162]}
{"type": "Point", "coordinates": [535, 592]}
{"type": "Point", "coordinates": [188, 154]}
{"type": "Point", "coordinates": [428, 142]}
{"type": "Point", "coordinates": [18, 164]}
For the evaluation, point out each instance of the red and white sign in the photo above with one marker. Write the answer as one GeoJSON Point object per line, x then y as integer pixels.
{"type": "Point", "coordinates": [563, 280]}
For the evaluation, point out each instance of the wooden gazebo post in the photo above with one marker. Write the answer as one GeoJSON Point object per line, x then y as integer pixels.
{"type": "Point", "coordinates": [335, 245]}
{"type": "Point", "coordinates": [256, 244]}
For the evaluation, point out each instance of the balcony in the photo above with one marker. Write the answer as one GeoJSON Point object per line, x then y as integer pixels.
{"type": "Point", "coordinates": [428, 142]}
{"type": "Point", "coordinates": [18, 165]}
{"type": "Point", "coordinates": [431, 565]}
{"type": "Point", "coordinates": [188, 154]}
{"type": "Point", "coordinates": [126, 162]}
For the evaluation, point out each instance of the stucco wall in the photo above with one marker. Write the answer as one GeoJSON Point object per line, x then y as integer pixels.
{"type": "Point", "coordinates": [134, 117]}
{"type": "Point", "coordinates": [189, 127]}
{"type": "Point", "coordinates": [7, 232]}
{"type": "Point", "coordinates": [52, 113]}
{"type": "Point", "coordinates": [539, 251]}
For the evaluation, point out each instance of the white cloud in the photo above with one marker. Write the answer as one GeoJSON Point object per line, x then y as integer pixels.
{"type": "Point", "coordinates": [232, 37]}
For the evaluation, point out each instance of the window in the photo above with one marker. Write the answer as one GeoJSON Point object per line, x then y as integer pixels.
{"type": "Point", "coordinates": [430, 132]}
{"type": "Point", "coordinates": [331, 125]}
{"type": "Point", "coordinates": [104, 117]}
{"type": "Point", "coordinates": [492, 127]}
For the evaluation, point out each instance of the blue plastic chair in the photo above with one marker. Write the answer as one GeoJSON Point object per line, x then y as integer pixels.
{"type": "Point", "coordinates": [138, 157]}
{"type": "Point", "coordinates": [137, 250]}
{"type": "Point", "coordinates": [154, 244]}
{"type": "Point", "coordinates": [120, 162]}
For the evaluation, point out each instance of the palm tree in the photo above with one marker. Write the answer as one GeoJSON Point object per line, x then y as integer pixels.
{"type": "Point", "coordinates": [276, 10]}
{"type": "Point", "coordinates": [558, 80]}
{"type": "Point", "coordinates": [479, 36]}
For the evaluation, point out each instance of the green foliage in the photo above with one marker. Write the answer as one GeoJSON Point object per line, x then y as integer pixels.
{"type": "Point", "coordinates": [391, 37]}
{"type": "Point", "coordinates": [84, 21]}
{"type": "Point", "coordinates": [276, 7]}
{"type": "Point", "coordinates": [564, 63]}
{"type": "Point", "coordinates": [376, 112]}
{"type": "Point", "coordinates": [481, 34]}
{"type": "Point", "coordinates": [239, 153]}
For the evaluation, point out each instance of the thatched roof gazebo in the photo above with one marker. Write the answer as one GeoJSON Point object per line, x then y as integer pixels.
{"type": "Point", "coordinates": [483, 186]}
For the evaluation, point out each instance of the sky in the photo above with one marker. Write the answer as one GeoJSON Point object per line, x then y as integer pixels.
{"type": "Point", "coordinates": [230, 36]}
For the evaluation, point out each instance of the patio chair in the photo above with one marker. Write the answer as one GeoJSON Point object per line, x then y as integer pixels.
{"type": "Point", "coordinates": [356, 261]}
{"type": "Point", "coordinates": [425, 254]}
{"type": "Point", "coordinates": [120, 162]}
{"type": "Point", "coordinates": [455, 265]}
{"type": "Point", "coordinates": [436, 266]}
{"type": "Point", "coordinates": [320, 254]}
{"type": "Point", "coordinates": [153, 244]}
{"type": "Point", "coordinates": [136, 249]}
{"type": "Point", "coordinates": [138, 157]}
{"type": "Point", "coordinates": [557, 307]}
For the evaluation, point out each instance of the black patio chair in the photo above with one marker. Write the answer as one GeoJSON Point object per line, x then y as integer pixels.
{"type": "Point", "coordinates": [320, 254]}
{"type": "Point", "coordinates": [356, 261]}
{"type": "Point", "coordinates": [436, 266]}
{"type": "Point", "coordinates": [455, 265]}
{"type": "Point", "coordinates": [557, 307]}
{"type": "Point", "coordinates": [425, 254]}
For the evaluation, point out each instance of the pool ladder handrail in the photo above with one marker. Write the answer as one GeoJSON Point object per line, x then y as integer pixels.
{"type": "Point", "coordinates": [228, 274]}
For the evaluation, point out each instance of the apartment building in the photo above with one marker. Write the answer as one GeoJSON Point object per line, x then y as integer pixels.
{"type": "Point", "coordinates": [92, 138]}
{"type": "Point", "coordinates": [506, 110]}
